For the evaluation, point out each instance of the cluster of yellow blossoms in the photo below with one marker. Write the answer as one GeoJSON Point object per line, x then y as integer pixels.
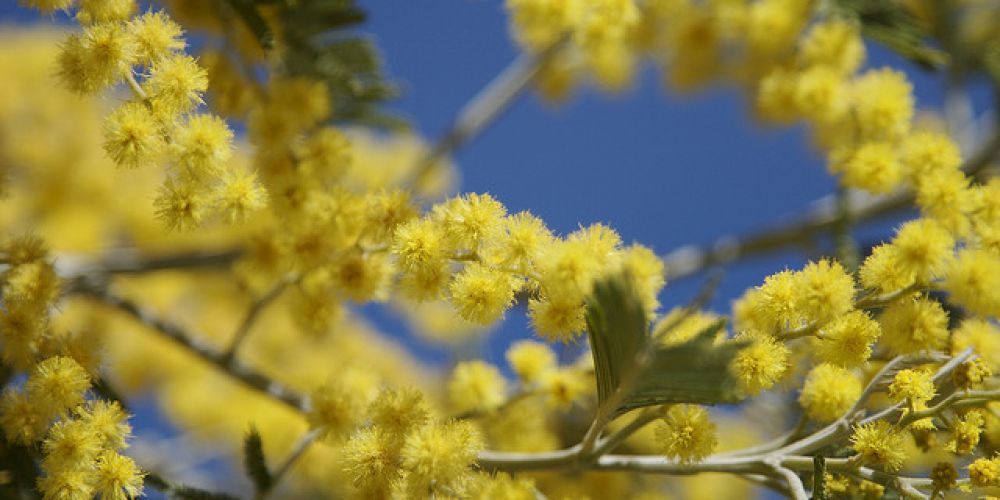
{"type": "Point", "coordinates": [504, 255]}
{"type": "Point", "coordinates": [80, 438]}
{"type": "Point", "coordinates": [161, 123]}
{"type": "Point", "coordinates": [800, 61]}
{"type": "Point", "coordinates": [878, 356]}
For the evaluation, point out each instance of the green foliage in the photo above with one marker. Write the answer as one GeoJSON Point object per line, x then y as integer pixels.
{"type": "Point", "coordinates": [819, 478]}
{"type": "Point", "coordinates": [886, 23]}
{"type": "Point", "coordinates": [18, 461]}
{"type": "Point", "coordinates": [255, 23]}
{"type": "Point", "coordinates": [253, 460]}
{"type": "Point", "coordinates": [317, 43]}
{"type": "Point", "coordinates": [627, 358]}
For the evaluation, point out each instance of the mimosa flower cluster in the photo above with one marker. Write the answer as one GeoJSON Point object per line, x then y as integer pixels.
{"type": "Point", "coordinates": [161, 123]}
{"type": "Point", "coordinates": [862, 377]}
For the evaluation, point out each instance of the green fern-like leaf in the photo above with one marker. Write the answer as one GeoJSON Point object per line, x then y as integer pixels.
{"type": "Point", "coordinates": [696, 371]}
{"type": "Point", "coordinates": [253, 460]}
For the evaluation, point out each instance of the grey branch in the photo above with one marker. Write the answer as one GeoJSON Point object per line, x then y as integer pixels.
{"type": "Point", "coordinates": [689, 260]}
{"type": "Point", "coordinates": [99, 290]}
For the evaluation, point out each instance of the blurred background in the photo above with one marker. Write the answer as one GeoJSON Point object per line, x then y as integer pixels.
{"type": "Point", "coordinates": [662, 168]}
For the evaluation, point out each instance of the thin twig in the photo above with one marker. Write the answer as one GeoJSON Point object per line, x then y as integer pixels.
{"type": "Point", "coordinates": [131, 261]}
{"type": "Point", "coordinates": [297, 452]}
{"type": "Point", "coordinates": [888, 370]}
{"type": "Point", "coordinates": [794, 482]}
{"type": "Point", "coordinates": [253, 312]}
{"type": "Point", "coordinates": [517, 397]}
{"type": "Point", "coordinates": [842, 426]}
{"type": "Point", "coordinates": [136, 88]}
{"type": "Point", "coordinates": [248, 376]}
{"type": "Point", "coordinates": [641, 420]}
{"type": "Point", "coordinates": [692, 259]}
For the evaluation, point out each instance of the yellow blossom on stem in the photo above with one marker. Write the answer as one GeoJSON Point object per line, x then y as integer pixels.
{"type": "Point", "coordinates": [339, 405]}
{"type": "Point", "coordinates": [175, 85]}
{"type": "Point", "coordinates": [872, 166]}
{"type": "Point", "coordinates": [57, 384]}
{"type": "Point", "coordinates": [971, 373]}
{"type": "Point", "coordinates": [105, 11]}
{"type": "Point", "coordinates": [70, 445]}
{"type": "Point", "coordinates": [883, 104]}
{"type": "Point", "coordinates": [48, 6]}
{"type": "Point", "coordinates": [567, 270]}
{"type": "Point", "coordinates": [880, 272]}
{"type": "Point", "coordinates": [773, 303]}
{"type": "Point", "coordinates": [239, 195]}
{"type": "Point", "coordinates": [35, 285]}
{"type": "Point", "coordinates": [426, 282]}
{"type": "Point", "coordinates": [823, 291]}
{"type": "Point", "coordinates": [482, 294]}
{"type": "Point", "coordinates": [973, 281]}
{"type": "Point", "coordinates": [70, 484]}
{"type": "Point", "coordinates": [132, 135]}
{"type": "Point", "coordinates": [530, 359]}
{"type": "Point", "coordinates": [965, 433]}
{"type": "Point", "coordinates": [982, 336]}
{"type": "Point", "coordinates": [117, 477]}
{"type": "Point", "coordinates": [687, 433]}
{"type": "Point", "coordinates": [836, 44]}
{"type": "Point", "coordinates": [776, 98]}
{"type": "Point", "coordinates": [107, 420]}
{"type": "Point", "coordinates": [910, 325]}
{"type": "Point", "coordinates": [945, 196]}
{"type": "Point", "coordinates": [985, 472]}
{"type": "Point", "coordinates": [202, 144]}
{"type": "Point", "coordinates": [25, 249]}
{"type": "Point", "coordinates": [476, 386]}
{"type": "Point", "coordinates": [760, 365]}
{"type": "Point", "coordinates": [419, 244]}
{"type": "Point", "coordinates": [828, 393]}
{"type": "Point", "coordinates": [923, 153]}
{"type": "Point", "coordinates": [914, 385]}
{"type": "Point", "coordinates": [397, 412]}
{"type": "Point", "coordinates": [944, 476]}
{"type": "Point", "coordinates": [97, 58]}
{"type": "Point", "coordinates": [923, 247]}
{"type": "Point", "coordinates": [180, 205]}
{"type": "Point", "coordinates": [557, 320]}
{"type": "Point", "coordinates": [821, 94]}
{"type": "Point", "coordinates": [880, 443]}
{"type": "Point", "coordinates": [470, 220]}
{"type": "Point", "coordinates": [646, 270]}
{"type": "Point", "coordinates": [156, 36]}
{"type": "Point", "coordinates": [539, 23]}
{"type": "Point", "coordinates": [23, 420]}
{"type": "Point", "coordinates": [371, 460]}
{"type": "Point", "coordinates": [22, 326]}
{"type": "Point", "coordinates": [440, 454]}
{"type": "Point", "coordinates": [563, 386]}
{"type": "Point", "coordinates": [847, 341]}
{"type": "Point", "coordinates": [525, 237]}
{"type": "Point", "coordinates": [384, 212]}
